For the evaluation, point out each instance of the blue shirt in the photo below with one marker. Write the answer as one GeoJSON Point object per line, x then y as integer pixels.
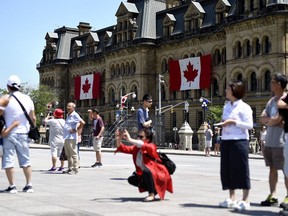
{"type": "Point", "coordinates": [142, 116]}
{"type": "Point", "coordinates": [71, 123]}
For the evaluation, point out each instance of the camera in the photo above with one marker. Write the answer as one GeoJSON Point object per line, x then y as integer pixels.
{"type": "Point", "coordinates": [50, 113]}
{"type": "Point", "coordinates": [121, 129]}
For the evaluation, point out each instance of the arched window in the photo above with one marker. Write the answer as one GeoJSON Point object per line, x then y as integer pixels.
{"type": "Point", "coordinates": [111, 95]}
{"type": "Point", "coordinates": [164, 66]}
{"type": "Point", "coordinates": [238, 50]}
{"type": "Point", "coordinates": [217, 57]}
{"type": "Point", "coordinates": [266, 45]}
{"type": "Point", "coordinates": [223, 56]}
{"type": "Point", "coordinates": [253, 85]}
{"type": "Point", "coordinates": [239, 77]}
{"type": "Point", "coordinates": [257, 47]}
{"type": "Point", "coordinates": [247, 48]}
{"type": "Point", "coordinates": [267, 80]}
{"type": "Point", "coordinates": [215, 90]}
{"type": "Point", "coordinates": [133, 68]}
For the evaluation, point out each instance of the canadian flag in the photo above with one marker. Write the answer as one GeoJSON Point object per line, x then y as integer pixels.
{"type": "Point", "coordinates": [87, 87]}
{"type": "Point", "coordinates": [123, 100]}
{"type": "Point", "coordinates": [190, 73]}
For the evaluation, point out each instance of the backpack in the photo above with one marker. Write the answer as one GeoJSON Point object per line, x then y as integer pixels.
{"type": "Point", "coordinates": [166, 161]}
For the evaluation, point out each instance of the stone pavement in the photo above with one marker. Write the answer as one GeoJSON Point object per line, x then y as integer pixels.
{"type": "Point", "coordinates": [105, 192]}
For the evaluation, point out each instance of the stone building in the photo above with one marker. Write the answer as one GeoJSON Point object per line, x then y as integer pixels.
{"type": "Point", "coordinates": [247, 40]}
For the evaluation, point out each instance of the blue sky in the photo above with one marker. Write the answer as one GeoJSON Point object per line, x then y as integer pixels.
{"type": "Point", "coordinates": [24, 25]}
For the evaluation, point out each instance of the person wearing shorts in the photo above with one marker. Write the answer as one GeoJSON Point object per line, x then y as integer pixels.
{"type": "Point", "coordinates": [208, 143]}
{"type": "Point", "coordinates": [273, 150]}
{"type": "Point", "coordinates": [56, 140]}
{"type": "Point", "coordinates": [17, 141]}
{"type": "Point", "coordinates": [98, 131]}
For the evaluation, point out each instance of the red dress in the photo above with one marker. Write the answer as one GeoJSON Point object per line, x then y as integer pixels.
{"type": "Point", "coordinates": [161, 177]}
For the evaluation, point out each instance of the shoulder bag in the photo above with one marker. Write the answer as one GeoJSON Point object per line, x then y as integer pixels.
{"type": "Point", "coordinates": [33, 132]}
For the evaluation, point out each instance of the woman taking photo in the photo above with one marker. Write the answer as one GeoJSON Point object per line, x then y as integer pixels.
{"type": "Point", "coordinates": [237, 119]}
{"type": "Point", "coordinates": [150, 175]}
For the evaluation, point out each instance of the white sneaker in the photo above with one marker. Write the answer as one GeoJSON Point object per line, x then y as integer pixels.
{"type": "Point", "coordinates": [242, 206]}
{"type": "Point", "coordinates": [228, 203]}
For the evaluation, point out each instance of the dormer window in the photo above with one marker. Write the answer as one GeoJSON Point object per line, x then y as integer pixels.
{"type": "Point", "coordinates": [77, 48]}
{"type": "Point", "coordinates": [222, 9]}
{"type": "Point", "coordinates": [168, 24]}
{"type": "Point", "coordinates": [194, 17]}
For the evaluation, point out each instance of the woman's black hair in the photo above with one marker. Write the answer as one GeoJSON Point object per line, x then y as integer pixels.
{"type": "Point", "coordinates": [148, 133]}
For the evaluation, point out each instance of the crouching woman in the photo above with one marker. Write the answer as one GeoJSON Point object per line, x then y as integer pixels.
{"type": "Point", "coordinates": [150, 175]}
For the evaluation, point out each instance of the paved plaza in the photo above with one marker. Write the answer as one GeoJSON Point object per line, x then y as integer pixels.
{"type": "Point", "coordinates": [105, 191]}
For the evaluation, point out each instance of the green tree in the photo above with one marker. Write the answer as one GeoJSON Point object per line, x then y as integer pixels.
{"type": "Point", "coordinates": [41, 96]}
{"type": "Point", "coordinates": [215, 114]}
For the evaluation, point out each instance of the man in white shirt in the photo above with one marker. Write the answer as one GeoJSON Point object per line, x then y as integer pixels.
{"type": "Point", "coordinates": [17, 141]}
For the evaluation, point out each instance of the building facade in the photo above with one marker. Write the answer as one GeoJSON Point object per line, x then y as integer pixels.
{"type": "Point", "coordinates": [247, 40]}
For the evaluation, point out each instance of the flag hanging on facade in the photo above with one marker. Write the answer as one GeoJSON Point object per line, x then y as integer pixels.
{"type": "Point", "coordinates": [190, 73]}
{"type": "Point", "coordinates": [87, 87]}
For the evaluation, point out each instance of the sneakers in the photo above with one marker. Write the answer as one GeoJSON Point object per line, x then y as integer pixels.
{"type": "Point", "coordinates": [12, 190]}
{"type": "Point", "coordinates": [69, 171]}
{"type": "Point", "coordinates": [270, 201]}
{"type": "Point", "coordinates": [28, 189]}
{"type": "Point", "coordinates": [60, 169]}
{"type": "Point", "coordinates": [228, 203]}
{"type": "Point", "coordinates": [242, 206]}
{"type": "Point", "coordinates": [52, 169]}
{"type": "Point", "coordinates": [284, 204]}
{"type": "Point", "coordinates": [97, 164]}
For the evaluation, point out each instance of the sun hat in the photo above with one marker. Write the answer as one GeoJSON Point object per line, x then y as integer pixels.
{"type": "Point", "coordinates": [58, 113]}
{"type": "Point", "coordinates": [14, 81]}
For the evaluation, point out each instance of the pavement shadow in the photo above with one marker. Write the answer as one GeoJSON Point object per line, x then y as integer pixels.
{"type": "Point", "coordinates": [118, 179]}
{"type": "Point", "coordinates": [123, 199]}
{"type": "Point", "coordinates": [248, 212]}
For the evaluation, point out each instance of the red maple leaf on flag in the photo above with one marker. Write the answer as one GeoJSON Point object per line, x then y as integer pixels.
{"type": "Point", "coordinates": [86, 86]}
{"type": "Point", "coordinates": [190, 74]}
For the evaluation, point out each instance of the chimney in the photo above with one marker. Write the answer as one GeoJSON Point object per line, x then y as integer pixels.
{"type": "Point", "coordinates": [84, 28]}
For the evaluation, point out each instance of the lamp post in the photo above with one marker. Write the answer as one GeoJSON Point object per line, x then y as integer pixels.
{"type": "Point", "coordinates": [204, 106]}
{"type": "Point", "coordinates": [175, 129]}
{"type": "Point", "coordinates": [159, 136]}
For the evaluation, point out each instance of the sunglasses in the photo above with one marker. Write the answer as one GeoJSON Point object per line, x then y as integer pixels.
{"type": "Point", "coordinates": [140, 136]}
{"type": "Point", "coordinates": [149, 101]}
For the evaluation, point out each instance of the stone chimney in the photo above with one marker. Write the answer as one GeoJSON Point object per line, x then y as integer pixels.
{"type": "Point", "coordinates": [84, 28]}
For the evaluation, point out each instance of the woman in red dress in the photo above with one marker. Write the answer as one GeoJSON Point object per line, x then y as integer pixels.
{"type": "Point", "coordinates": [150, 175]}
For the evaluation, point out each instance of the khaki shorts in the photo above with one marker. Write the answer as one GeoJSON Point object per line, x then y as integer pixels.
{"type": "Point", "coordinates": [274, 157]}
{"type": "Point", "coordinates": [97, 143]}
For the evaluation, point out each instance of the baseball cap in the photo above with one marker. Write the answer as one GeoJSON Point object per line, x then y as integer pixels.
{"type": "Point", "coordinates": [14, 81]}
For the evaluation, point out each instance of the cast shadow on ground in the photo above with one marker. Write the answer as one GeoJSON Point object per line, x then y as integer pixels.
{"type": "Point", "coordinates": [248, 212]}
{"type": "Point", "coordinates": [119, 199]}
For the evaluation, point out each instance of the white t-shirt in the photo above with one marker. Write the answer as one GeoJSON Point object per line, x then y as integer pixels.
{"type": "Point", "coordinates": [55, 131]}
{"type": "Point", "coordinates": [13, 112]}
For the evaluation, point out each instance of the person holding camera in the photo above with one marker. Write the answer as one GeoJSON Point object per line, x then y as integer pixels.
{"type": "Point", "coordinates": [150, 175]}
{"type": "Point", "coordinates": [142, 113]}
{"type": "Point", "coordinates": [56, 123]}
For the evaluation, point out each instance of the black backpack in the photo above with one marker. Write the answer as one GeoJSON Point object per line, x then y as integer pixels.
{"type": "Point", "coordinates": [166, 161]}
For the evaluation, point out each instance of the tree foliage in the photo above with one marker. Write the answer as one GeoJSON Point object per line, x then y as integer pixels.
{"type": "Point", "coordinates": [40, 95]}
{"type": "Point", "coordinates": [215, 114]}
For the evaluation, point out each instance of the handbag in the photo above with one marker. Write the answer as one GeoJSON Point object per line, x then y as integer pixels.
{"type": "Point", "coordinates": [166, 161]}
{"type": "Point", "coordinates": [33, 132]}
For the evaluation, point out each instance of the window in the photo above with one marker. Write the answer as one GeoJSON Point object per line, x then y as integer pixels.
{"type": "Point", "coordinates": [266, 45]}
{"type": "Point", "coordinates": [215, 89]}
{"type": "Point", "coordinates": [267, 80]}
{"type": "Point", "coordinates": [253, 82]}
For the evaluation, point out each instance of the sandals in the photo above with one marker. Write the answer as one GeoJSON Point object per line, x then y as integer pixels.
{"type": "Point", "coordinates": [149, 198]}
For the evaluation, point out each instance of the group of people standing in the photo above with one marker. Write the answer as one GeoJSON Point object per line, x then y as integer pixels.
{"type": "Point", "coordinates": [237, 120]}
